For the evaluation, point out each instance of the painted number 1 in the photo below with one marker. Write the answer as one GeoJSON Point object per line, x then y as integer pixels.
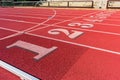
{"type": "Point", "coordinates": [41, 51]}
{"type": "Point", "coordinates": [71, 34]}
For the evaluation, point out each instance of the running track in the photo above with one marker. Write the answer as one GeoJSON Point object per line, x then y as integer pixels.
{"type": "Point", "coordinates": [87, 42]}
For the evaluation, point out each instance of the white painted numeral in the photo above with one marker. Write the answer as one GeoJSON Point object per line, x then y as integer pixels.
{"type": "Point", "coordinates": [84, 25]}
{"type": "Point", "coordinates": [87, 26]}
{"type": "Point", "coordinates": [72, 35]}
{"type": "Point", "coordinates": [74, 24]}
{"type": "Point", "coordinates": [41, 51]}
{"type": "Point", "coordinates": [95, 20]}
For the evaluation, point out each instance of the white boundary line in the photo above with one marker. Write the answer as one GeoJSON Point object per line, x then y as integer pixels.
{"type": "Point", "coordinates": [53, 19]}
{"type": "Point", "coordinates": [13, 35]}
{"type": "Point", "coordinates": [50, 25]}
{"type": "Point", "coordinates": [76, 17]}
{"type": "Point", "coordinates": [104, 32]}
{"type": "Point", "coordinates": [29, 76]}
{"type": "Point", "coordinates": [108, 24]}
{"type": "Point", "coordinates": [97, 31]}
{"type": "Point", "coordinates": [16, 34]}
{"type": "Point", "coordinates": [18, 21]}
{"type": "Point", "coordinates": [9, 29]}
{"type": "Point", "coordinates": [42, 22]}
{"type": "Point", "coordinates": [27, 16]}
{"type": "Point", "coordinates": [46, 18]}
{"type": "Point", "coordinates": [23, 11]}
{"type": "Point", "coordinates": [23, 75]}
{"type": "Point", "coordinates": [73, 43]}
{"type": "Point", "coordinates": [43, 14]}
{"type": "Point", "coordinates": [64, 21]}
{"type": "Point", "coordinates": [112, 19]}
{"type": "Point", "coordinates": [21, 32]}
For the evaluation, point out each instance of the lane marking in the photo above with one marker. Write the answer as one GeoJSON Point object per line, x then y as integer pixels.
{"type": "Point", "coordinates": [104, 32]}
{"type": "Point", "coordinates": [9, 29]}
{"type": "Point", "coordinates": [63, 21]}
{"type": "Point", "coordinates": [44, 14]}
{"type": "Point", "coordinates": [73, 43]}
{"type": "Point", "coordinates": [59, 19]}
{"type": "Point", "coordinates": [22, 32]}
{"type": "Point", "coordinates": [20, 21]}
{"type": "Point", "coordinates": [108, 24]}
{"type": "Point", "coordinates": [13, 35]}
{"type": "Point", "coordinates": [42, 22]}
{"type": "Point", "coordinates": [30, 16]}
{"type": "Point", "coordinates": [23, 75]}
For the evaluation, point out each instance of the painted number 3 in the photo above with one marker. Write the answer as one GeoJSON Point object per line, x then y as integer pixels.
{"type": "Point", "coordinates": [71, 34]}
{"type": "Point", "coordinates": [81, 25]}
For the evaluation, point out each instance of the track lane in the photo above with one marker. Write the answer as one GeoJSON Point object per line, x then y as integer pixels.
{"type": "Point", "coordinates": [95, 39]}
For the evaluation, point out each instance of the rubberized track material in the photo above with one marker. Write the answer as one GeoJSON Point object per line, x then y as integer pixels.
{"type": "Point", "coordinates": [61, 44]}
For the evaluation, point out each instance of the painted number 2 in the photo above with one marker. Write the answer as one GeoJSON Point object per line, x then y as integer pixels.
{"type": "Point", "coordinates": [71, 34]}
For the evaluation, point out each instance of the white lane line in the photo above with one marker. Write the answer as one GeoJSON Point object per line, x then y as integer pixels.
{"type": "Point", "coordinates": [77, 44]}
{"type": "Point", "coordinates": [23, 11]}
{"type": "Point", "coordinates": [75, 18]}
{"type": "Point", "coordinates": [108, 24]}
{"type": "Point", "coordinates": [13, 35]}
{"type": "Point", "coordinates": [43, 14]}
{"type": "Point", "coordinates": [113, 19]}
{"type": "Point", "coordinates": [22, 32]}
{"type": "Point", "coordinates": [63, 21]}
{"type": "Point", "coordinates": [9, 29]}
{"type": "Point", "coordinates": [20, 21]}
{"type": "Point", "coordinates": [104, 32]}
{"type": "Point", "coordinates": [42, 22]}
{"type": "Point", "coordinates": [23, 75]}
{"type": "Point", "coordinates": [97, 31]}
{"type": "Point", "coordinates": [29, 17]}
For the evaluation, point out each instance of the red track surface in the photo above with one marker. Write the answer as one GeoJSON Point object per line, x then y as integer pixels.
{"type": "Point", "coordinates": [5, 75]}
{"type": "Point", "coordinates": [94, 55]}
